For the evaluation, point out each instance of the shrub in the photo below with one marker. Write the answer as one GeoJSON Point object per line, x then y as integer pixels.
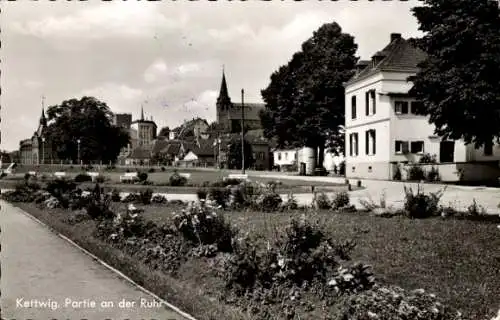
{"type": "Point", "coordinates": [3, 175]}
{"type": "Point", "coordinates": [146, 196]}
{"type": "Point", "coordinates": [159, 199]}
{"type": "Point", "coordinates": [115, 195]}
{"type": "Point", "coordinates": [291, 203]}
{"type": "Point", "coordinates": [226, 182]}
{"type": "Point", "coordinates": [270, 202]}
{"type": "Point", "coordinates": [83, 177]}
{"type": "Point", "coordinates": [396, 304]}
{"type": "Point", "coordinates": [132, 197]}
{"type": "Point", "coordinates": [397, 173]}
{"type": "Point", "coordinates": [100, 179]}
{"type": "Point", "coordinates": [340, 200]}
{"type": "Point", "coordinates": [428, 158]}
{"type": "Point", "coordinates": [27, 176]}
{"type": "Point", "coordinates": [322, 202]}
{"type": "Point", "coordinates": [143, 176]}
{"type": "Point", "coordinates": [433, 175]}
{"type": "Point", "coordinates": [163, 169]}
{"type": "Point", "coordinates": [219, 195]}
{"type": "Point", "coordinates": [416, 173]}
{"type": "Point", "coordinates": [61, 189]}
{"type": "Point", "coordinates": [151, 170]}
{"type": "Point", "coordinates": [201, 194]}
{"type": "Point", "coordinates": [301, 255]}
{"type": "Point", "coordinates": [201, 225]}
{"type": "Point", "coordinates": [176, 180]}
{"type": "Point", "coordinates": [421, 205]}
{"type": "Point", "coordinates": [475, 210]}
{"type": "Point", "coordinates": [97, 206]}
{"type": "Point", "coordinates": [354, 279]}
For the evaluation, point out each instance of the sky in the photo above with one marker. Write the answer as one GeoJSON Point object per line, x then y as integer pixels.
{"type": "Point", "coordinates": [165, 56]}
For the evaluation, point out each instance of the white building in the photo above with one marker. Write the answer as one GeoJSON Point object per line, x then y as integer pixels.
{"type": "Point", "coordinates": [285, 157]}
{"type": "Point", "coordinates": [382, 130]}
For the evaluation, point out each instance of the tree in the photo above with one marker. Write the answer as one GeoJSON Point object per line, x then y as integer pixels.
{"type": "Point", "coordinates": [234, 157]}
{"type": "Point", "coordinates": [305, 98]}
{"type": "Point", "coordinates": [458, 82]}
{"type": "Point", "coordinates": [90, 121]}
{"type": "Point", "coordinates": [164, 132]}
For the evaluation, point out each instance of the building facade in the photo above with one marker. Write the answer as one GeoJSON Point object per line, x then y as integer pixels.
{"type": "Point", "coordinates": [37, 149]}
{"type": "Point", "coordinates": [229, 114]}
{"type": "Point", "coordinates": [383, 130]}
{"type": "Point", "coordinates": [142, 132]}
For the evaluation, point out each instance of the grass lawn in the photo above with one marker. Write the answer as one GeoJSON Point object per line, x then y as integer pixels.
{"type": "Point", "coordinates": [457, 260]}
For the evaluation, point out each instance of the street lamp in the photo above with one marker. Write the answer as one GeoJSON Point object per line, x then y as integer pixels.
{"type": "Point", "coordinates": [78, 141]}
{"type": "Point", "coordinates": [43, 150]}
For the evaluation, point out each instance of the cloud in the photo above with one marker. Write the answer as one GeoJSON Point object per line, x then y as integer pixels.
{"type": "Point", "coordinates": [118, 97]}
{"type": "Point", "coordinates": [158, 71]}
{"type": "Point", "coordinates": [110, 19]}
{"type": "Point", "coordinates": [155, 70]}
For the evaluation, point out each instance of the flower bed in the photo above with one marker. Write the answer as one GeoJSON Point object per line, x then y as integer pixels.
{"type": "Point", "coordinates": [297, 270]}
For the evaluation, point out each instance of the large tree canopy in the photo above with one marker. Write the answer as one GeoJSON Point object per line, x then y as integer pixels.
{"type": "Point", "coordinates": [305, 98]}
{"type": "Point", "coordinates": [458, 83]}
{"type": "Point", "coordinates": [87, 120]}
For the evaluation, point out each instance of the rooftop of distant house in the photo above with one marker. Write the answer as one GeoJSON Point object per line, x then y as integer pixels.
{"type": "Point", "coordinates": [400, 55]}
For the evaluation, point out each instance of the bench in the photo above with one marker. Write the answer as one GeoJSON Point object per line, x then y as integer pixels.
{"type": "Point", "coordinates": [93, 175]}
{"type": "Point", "coordinates": [32, 173]}
{"type": "Point", "coordinates": [60, 174]}
{"type": "Point", "coordinates": [185, 175]}
{"type": "Point", "coordinates": [238, 177]}
{"type": "Point", "coordinates": [129, 177]}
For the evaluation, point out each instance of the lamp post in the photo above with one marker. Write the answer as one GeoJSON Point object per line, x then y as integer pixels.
{"type": "Point", "coordinates": [242, 132]}
{"type": "Point", "coordinates": [43, 150]}
{"type": "Point", "coordinates": [78, 141]}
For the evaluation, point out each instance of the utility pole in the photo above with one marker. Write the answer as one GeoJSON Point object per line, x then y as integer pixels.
{"type": "Point", "coordinates": [242, 131]}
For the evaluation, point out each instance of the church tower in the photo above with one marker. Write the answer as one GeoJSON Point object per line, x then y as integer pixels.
{"type": "Point", "coordinates": [223, 104]}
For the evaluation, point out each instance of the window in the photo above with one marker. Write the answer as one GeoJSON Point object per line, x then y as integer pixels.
{"type": "Point", "coordinates": [261, 156]}
{"type": "Point", "coordinates": [401, 107]}
{"type": "Point", "coordinates": [370, 140]}
{"type": "Point", "coordinates": [488, 149]}
{"type": "Point", "coordinates": [415, 106]}
{"type": "Point", "coordinates": [353, 107]}
{"type": "Point", "coordinates": [401, 147]}
{"type": "Point", "coordinates": [286, 155]}
{"type": "Point", "coordinates": [353, 144]}
{"type": "Point", "coordinates": [370, 102]}
{"type": "Point", "coordinates": [279, 155]}
{"type": "Point", "coordinates": [417, 147]}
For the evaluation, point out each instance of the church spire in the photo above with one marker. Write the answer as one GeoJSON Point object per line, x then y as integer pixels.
{"type": "Point", "coordinates": [223, 94]}
{"type": "Point", "coordinates": [142, 113]}
{"type": "Point", "coordinates": [43, 120]}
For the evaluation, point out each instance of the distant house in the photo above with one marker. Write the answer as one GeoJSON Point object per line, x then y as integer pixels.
{"type": "Point", "coordinates": [201, 153]}
{"type": "Point", "coordinates": [139, 156]}
{"type": "Point", "coordinates": [383, 132]}
{"type": "Point", "coordinates": [285, 159]}
{"type": "Point", "coordinates": [195, 128]}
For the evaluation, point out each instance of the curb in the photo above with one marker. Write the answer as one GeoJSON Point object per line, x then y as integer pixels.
{"type": "Point", "coordinates": [119, 273]}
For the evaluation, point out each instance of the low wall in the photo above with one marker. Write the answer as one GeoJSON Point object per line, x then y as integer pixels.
{"type": "Point", "coordinates": [454, 172]}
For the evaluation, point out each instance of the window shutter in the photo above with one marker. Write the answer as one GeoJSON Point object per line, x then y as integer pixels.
{"type": "Point", "coordinates": [374, 102]}
{"type": "Point", "coordinates": [350, 144]}
{"type": "Point", "coordinates": [367, 103]}
{"type": "Point", "coordinates": [374, 142]}
{"type": "Point", "coordinates": [367, 142]}
{"type": "Point", "coordinates": [405, 146]}
{"type": "Point", "coordinates": [357, 144]}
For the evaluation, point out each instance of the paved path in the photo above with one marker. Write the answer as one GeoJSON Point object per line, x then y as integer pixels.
{"type": "Point", "coordinates": [460, 197]}
{"type": "Point", "coordinates": [40, 267]}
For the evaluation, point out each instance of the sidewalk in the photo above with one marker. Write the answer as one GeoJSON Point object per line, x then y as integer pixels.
{"type": "Point", "coordinates": [459, 197]}
{"type": "Point", "coordinates": [44, 277]}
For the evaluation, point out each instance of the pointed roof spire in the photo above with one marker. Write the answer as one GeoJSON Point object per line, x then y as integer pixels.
{"type": "Point", "coordinates": [43, 120]}
{"type": "Point", "coordinates": [223, 94]}
{"type": "Point", "coordinates": [142, 113]}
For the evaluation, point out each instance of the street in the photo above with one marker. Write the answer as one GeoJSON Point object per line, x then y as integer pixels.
{"type": "Point", "coordinates": [45, 277]}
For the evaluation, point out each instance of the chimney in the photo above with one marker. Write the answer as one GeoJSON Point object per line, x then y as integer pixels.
{"type": "Point", "coordinates": [395, 36]}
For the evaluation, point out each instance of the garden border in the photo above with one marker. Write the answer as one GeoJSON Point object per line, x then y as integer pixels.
{"type": "Point", "coordinates": [116, 271]}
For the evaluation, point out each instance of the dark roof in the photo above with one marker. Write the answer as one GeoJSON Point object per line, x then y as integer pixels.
{"type": "Point", "coordinates": [189, 126]}
{"type": "Point", "coordinates": [140, 153]}
{"type": "Point", "coordinates": [256, 136]}
{"type": "Point", "coordinates": [251, 109]}
{"type": "Point", "coordinates": [204, 147]}
{"type": "Point", "coordinates": [144, 121]}
{"type": "Point", "coordinates": [398, 55]}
